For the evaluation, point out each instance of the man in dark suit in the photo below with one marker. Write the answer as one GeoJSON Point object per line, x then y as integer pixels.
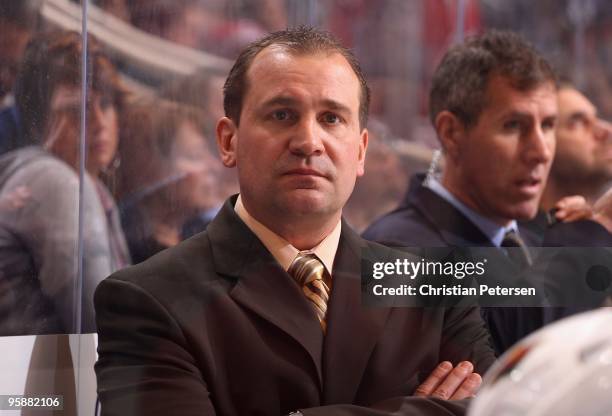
{"type": "Point", "coordinates": [261, 314]}
{"type": "Point", "coordinates": [583, 157]}
{"type": "Point", "coordinates": [582, 168]}
{"type": "Point", "coordinates": [493, 104]}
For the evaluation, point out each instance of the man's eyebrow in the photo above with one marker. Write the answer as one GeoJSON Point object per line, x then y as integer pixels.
{"type": "Point", "coordinates": [335, 105]}
{"type": "Point", "coordinates": [516, 114]}
{"type": "Point", "coordinates": [526, 115]}
{"type": "Point", "coordinates": [579, 115]}
{"type": "Point", "coordinates": [290, 101]}
{"type": "Point", "coordinates": [279, 101]}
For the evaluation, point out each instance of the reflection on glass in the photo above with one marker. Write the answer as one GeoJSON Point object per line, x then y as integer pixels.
{"type": "Point", "coordinates": [17, 19]}
{"type": "Point", "coordinates": [221, 27]}
{"type": "Point", "coordinates": [398, 43]}
{"type": "Point", "coordinates": [39, 189]}
{"type": "Point", "coordinates": [168, 177]}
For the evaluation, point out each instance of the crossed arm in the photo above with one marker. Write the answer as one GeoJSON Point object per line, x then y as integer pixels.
{"type": "Point", "coordinates": [146, 367]}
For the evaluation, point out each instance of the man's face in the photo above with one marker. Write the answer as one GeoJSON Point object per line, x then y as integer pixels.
{"type": "Point", "coordinates": [63, 136]}
{"type": "Point", "coordinates": [503, 161]}
{"type": "Point", "coordinates": [299, 147]}
{"type": "Point", "coordinates": [584, 142]}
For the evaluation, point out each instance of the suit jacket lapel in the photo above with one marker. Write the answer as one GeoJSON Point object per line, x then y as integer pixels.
{"type": "Point", "coordinates": [454, 227]}
{"type": "Point", "coordinates": [353, 329]}
{"type": "Point", "coordinates": [262, 285]}
{"type": "Point", "coordinates": [530, 238]}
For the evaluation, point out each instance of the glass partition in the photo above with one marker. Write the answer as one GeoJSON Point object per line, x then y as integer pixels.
{"type": "Point", "coordinates": [107, 143]}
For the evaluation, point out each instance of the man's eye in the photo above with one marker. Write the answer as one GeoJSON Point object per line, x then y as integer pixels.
{"type": "Point", "coordinates": [511, 125]}
{"type": "Point", "coordinates": [331, 118]}
{"type": "Point", "coordinates": [281, 115]}
{"type": "Point", "coordinates": [549, 125]}
{"type": "Point", "coordinates": [578, 122]}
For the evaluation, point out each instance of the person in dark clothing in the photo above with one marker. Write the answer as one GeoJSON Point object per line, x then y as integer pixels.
{"type": "Point", "coordinates": [493, 103]}
{"type": "Point", "coordinates": [39, 236]}
{"type": "Point", "coordinates": [167, 178]}
{"type": "Point", "coordinates": [582, 169]}
{"type": "Point", "coordinates": [173, 329]}
{"type": "Point", "coordinates": [18, 20]}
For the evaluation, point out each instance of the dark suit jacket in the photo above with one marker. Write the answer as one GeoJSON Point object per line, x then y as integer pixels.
{"type": "Point", "coordinates": [216, 326]}
{"type": "Point", "coordinates": [424, 219]}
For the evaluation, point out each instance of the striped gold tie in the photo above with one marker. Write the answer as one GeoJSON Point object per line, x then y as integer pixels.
{"type": "Point", "coordinates": [310, 273]}
{"type": "Point", "coordinates": [517, 249]}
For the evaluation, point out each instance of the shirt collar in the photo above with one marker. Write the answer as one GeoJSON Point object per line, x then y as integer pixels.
{"type": "Point", "coordinates": [281, 249]}
{"type": "Point", "coordinates": [492, 230]}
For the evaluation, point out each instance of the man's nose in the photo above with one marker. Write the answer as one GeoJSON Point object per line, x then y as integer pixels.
{"type": "Point", "coordinates": [307, 138]}
{"type": "Point", "coordinates": [540, 145]}
{"type": "Point", "coordinates": [603, 129]}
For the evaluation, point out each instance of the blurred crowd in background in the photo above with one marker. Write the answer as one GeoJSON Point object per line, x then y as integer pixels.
{"type": "Point", "coordinates": [155, 72]}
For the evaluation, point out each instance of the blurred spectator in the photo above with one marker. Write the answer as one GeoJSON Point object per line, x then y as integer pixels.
{"type": "Point", "coordinates": [117, 8]}
{"type": "Point", "coordinates": [380, 190]}
{"type": "Point", "coordinates": [271, 14]}
{"type": "Point", "coordinates": [395, 77]}
{"type": "Point", "coordinates": [399, 43]}
{"type": "Point", "coordinates": [205, 91]}
{"type": "Point", "coordinates": [167, 176]}
{"type": "Point", "coordinates": [572, 33]}
{"type": "Point", "coordinates": [18, 19]}
{"type": "Point", "coordinates": [216, 26]}
{"type": "Point", "coordinates": [201, 90]}
{"type": "Point", "coordinates": [186, 22]}
{"type": "Point", "coordinates": [39, 254]}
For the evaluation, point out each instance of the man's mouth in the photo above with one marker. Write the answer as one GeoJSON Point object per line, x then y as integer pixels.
{"type": "Point", "coordinates": [305, 172]}
{"type": "Point", "coordinates": [530, 185]}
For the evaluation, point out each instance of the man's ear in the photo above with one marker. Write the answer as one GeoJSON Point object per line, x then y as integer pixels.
{"type": "Point", "coordinates": [451, 132]}
{"type": "Point", "coordinates": [363, 147]}
{"type": "Point", "coordinates": [227, 136]}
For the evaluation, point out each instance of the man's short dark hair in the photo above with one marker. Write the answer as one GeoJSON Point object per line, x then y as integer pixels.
{"type": "Point", "coordinates": [300, 41]}
{"type": "Point", "coordinates": [460, 82]}
{"type": "Point", "coordinates": [54, 59]}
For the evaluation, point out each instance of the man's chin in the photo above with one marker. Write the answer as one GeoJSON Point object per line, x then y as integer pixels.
{"type": "Point", "coordinates": [307, 202]}
{"type": "Point", "coordinates": [523, 212]}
